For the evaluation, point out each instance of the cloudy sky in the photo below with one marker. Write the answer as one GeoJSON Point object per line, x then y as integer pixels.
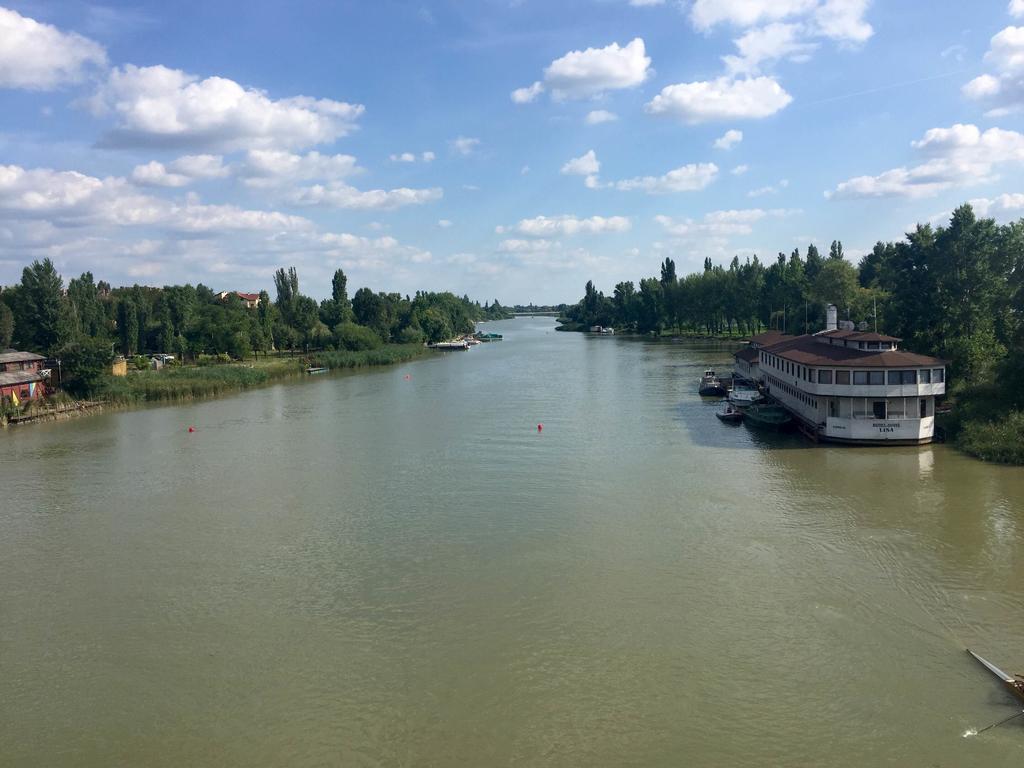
{"type": "Point", "coordinates": [501, 148]}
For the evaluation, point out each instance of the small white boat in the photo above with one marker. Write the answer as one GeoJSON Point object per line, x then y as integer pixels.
{"type": "Point", "coordinates": [744, 397]}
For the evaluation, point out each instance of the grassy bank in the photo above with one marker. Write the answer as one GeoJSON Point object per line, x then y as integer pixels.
{"type": "Point", "coordinates": [1000, 441]}
{"type": "Point", "coordinates": [391, 354]}
{"type": "Point", "coordinates": [175, 383]}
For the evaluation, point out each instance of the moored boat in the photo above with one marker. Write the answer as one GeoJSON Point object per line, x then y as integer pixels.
{"type": "Point", "coordinates": [767, 415]}
{"type": "Point", "coordinates": [488, 336]}
{"type": "Point", "coordinates": [1013, 683]}
{"type": "Point", "coordinates": [741, 397]}
{"type": "Point", "coordinates": [312, 370]}
{"type": "Point", "coordinates": [710, 385]}
{"type": "Point", "coordinates": [730, 415]}
{"type": "Point", "coordinates": [449, 345]}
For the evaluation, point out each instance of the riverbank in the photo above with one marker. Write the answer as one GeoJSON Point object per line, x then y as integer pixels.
{"type": "Point", "coordinates": [187, 383]}
{"type": "Point", "coordinates": [572, 327]}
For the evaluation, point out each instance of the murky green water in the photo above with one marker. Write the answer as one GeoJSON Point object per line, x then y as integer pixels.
{"type": "Point", "coordinates": [373, 570]}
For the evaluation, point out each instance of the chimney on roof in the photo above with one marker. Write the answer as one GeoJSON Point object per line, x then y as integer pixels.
{"type": "Point", "coordinates": [832, 318]}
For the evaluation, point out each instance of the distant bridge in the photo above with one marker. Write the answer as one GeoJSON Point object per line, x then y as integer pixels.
{"type": "Point", "coordinates": [536, 314]}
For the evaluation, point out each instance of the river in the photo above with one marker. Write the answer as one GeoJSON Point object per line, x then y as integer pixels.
{"type": "Point", "coordinates": [396, 568]}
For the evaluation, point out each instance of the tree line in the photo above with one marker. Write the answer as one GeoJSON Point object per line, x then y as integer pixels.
{"type": "Point", "coordinates": [952, 291]}
{"type": "Point", "coordinates": [90, 321]}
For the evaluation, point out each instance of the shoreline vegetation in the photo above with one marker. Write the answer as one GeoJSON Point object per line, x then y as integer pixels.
{"type": "Point", "coordinates": [955, 292]}
{"type": "Point", "coordinates": [185, 342]}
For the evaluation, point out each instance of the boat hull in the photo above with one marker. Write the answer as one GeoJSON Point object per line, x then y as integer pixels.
{"type": "Point", "coordinates": [1009, 682]}
{"type": "Point", "coordinates": [711, 390]}
{"type": "Point", "coordinates": [767, 416]}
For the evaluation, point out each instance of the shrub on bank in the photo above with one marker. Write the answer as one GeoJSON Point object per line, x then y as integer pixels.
{"type": "Point", "coordinates": [386, 355]}
{"type": "Point", "coordinates": [188, 383]}
{"type": "Point", "coordinates": [1001, 441]}
{"type": "Point", "coordinates": [355, 338]}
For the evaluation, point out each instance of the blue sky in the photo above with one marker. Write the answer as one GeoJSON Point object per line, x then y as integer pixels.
{"type": "Point", "coordinates": [508, 149]}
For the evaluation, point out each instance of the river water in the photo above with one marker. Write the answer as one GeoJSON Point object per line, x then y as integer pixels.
{"type": "Point", "coordinates": [395, 568]}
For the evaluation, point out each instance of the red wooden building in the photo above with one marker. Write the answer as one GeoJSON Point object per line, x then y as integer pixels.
{"type": "Point", "coordinates": [21, 377]}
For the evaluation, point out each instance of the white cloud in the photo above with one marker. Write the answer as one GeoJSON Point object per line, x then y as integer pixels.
{"type": "Point", "coordinates": [547, 226]}
{"type": "Point", "coordinates": [167, 107]}
{"type": "Point", "coordinates": [1016, 8]}
{"type": "Point", "coordinates": [687, 178]}
{"type": "Point", "coordinates": [1006, 205]}
{"type": "Point", "coordinates": [582, 74]}
{"type": "Point", "coordinates": [586, 164]}
{"type": "Point", "coordinates": [955, 51]}
{"type": "Point", "coordinates": [154, 174]}
{"type": "Point", "coordinates": [705, 14]}
{"type": "Point", "coordinates": [720, 99]}
{"type": "Point", "coordinates": [598, 116]}
{"type": "Point", "coordinates": [412, 157]}
{"type": "Point", "coordinates": [181, 172]}
{"type": "Point", "coordinates": [765, 45]}
{"type": "Point", "coordinates": [338, 194]}
{"type": "Point", "coordinates": [464, 146]}
{"type": "Point", "coordinates": [722, 223]}
{"type": "Point", "coordinates": [38, 56]}
{"type": "Point", "coordinates": [201, 166]}
{"type": "Point", "coordinates": [528, 94]}
{"type": "Point", "coordinates": [843, 20]}
{"type": "Point", "coordinates": [955, 157]}
{"type": "Point", "coordinates": [265, 168]}
{"type": "Point", "coordinates": [444, 223]}
{"type": "Point", "coordinates": [514, 245]}
{"type": "Point", "coordinates": [739, 170]}
{"type": "Point", "coordinates": [68, 198]}
{"type": "Point", "coordinates": [650, 3]}
{"type": "Point", "coordinates": [771, 189]}
{"type": "Point", "coordinates": [1003, 91]}
{"type": "Point", "coordinates": [728, 139]}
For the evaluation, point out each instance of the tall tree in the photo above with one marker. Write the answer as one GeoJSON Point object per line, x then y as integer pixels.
{"type": "Point", "coordinates": [836, 251]}
{"type": "Point", "coordinates": [41, 320]}
{"type": "Point", "coordinates": [6, 325]}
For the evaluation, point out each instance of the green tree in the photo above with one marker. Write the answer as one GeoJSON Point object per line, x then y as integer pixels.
{"type": "Point", "coordinates": [127, 326]}
{"type": "Point", "coordinates": [836, 284]}
{"type": "Point", "coordinates": [41, 320]}
{"type": "Point", "coordinates": [6, 325]}
{"type": "Point", "coordinates": [356, 337]}
{"type": "Point", "coordinates": [86, 365]}
{"type": "Point", "coordinates": [836, 251]}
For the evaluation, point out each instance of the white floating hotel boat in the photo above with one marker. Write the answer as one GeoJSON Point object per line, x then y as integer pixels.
{"type": "Point", "coordinates": [848, 385]}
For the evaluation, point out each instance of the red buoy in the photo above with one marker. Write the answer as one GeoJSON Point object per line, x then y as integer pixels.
{"type": "Point", "coordinates": [191, 429]}
{"type": "Point", "coordinates": [540, 427]}
{"type": "Point", "coordinates": [408, 377]}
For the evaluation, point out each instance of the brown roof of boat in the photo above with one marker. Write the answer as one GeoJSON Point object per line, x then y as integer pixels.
{"type": "Point", "coordinates": [806, 350]}
{"type": "Point", "coordinates": [858, 335]}
{"type": "Point", "coordinates": [747, 353]}
{"type": "Point", "coordinates": [769, 337]}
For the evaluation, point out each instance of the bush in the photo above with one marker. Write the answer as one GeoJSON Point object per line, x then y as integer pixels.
{"type": "Point", "coordinates": [389, 355]}
{"type": "Point", "coordinates": [86, 364]}
{"type": "Point", "coordinates": [356, 338]}
{"type": "Point", "coordinates": [411, 335]}
{"type": "Point", "coordinates": [1001, 441]}
{"type": "Point", "coordinates": [140, 363]}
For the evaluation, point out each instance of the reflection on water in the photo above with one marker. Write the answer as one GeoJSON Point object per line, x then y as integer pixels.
{"type": "Point", "coordinates": [373, 570]}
